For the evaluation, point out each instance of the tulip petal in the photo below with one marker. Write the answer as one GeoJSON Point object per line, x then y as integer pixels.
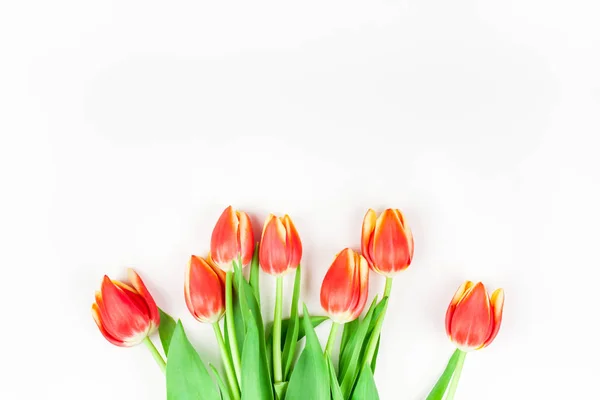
{"type": "Point", "coordinates": [472, 320]}
{"type": "Point", "coordinates": [98, 320]}
{"type": "Point", "coordinates": [273, 253]}
{"type": "Point", "coordinates": [245, 237]}
{"type": "Point", "coordinates": [363, 274]}
{"type": "Point", "coordinates": [497, 303]}
{"type": "Point", "coordinates": [457, 296]}
{"type": "Point", "coordinates": [224, 239]}
{"type": "Point", "coordinates": [368, 227]}
{"type": "Point", "coordinates": [220, 273]}
{"type": "Point", "coordinates": [293, 243]}
{"type": "Point", "coordinates": [140, 287]}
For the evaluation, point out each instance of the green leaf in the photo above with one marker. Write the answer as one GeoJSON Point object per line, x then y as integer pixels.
{"type": "Point", "coordinates": [336, 391]}
{"type": "Point", "coordinates": [365, 387]}
{"type": "Point", "coordinates": [256, 379]}
{"type": "Point", "coordinates": [310, 376]}
{"type": "Point", "coordinates": [255, 274]}
{"type": "Point", "coordinates": [280, 389]}
{"type": "Point", "coordinates": [165, 330]}
{"type": "Point", "coordinates": [349, 330]}
{"type": "Point", "coordinates": [376, 320]}
{"type": "Point", "coordinates": [355, 344]}
{"type": "Point", "coordinates": [438, 391]}
{"type": "Point", "coordinates": [291, 336]}
{"type": "Point", "coordinates": [221, 383]}
{"type": "Point", "coordinates": [187, 377]}
{"type": "Point", "coordinates": [351, 356]}
{"type": "Point", "coordinates": [374, 362]}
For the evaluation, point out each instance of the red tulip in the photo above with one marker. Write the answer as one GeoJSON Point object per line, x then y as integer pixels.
{"type": "Point", "coordinates": [125, 314]}
{"type": "Point", "coordinates": [204, 290]}
{"type": "Point", "coordinates": [345, 287]}
{"type": "Point", "coordinates": [473, 319]}
{"type": "Point", "coordinates": [280, 246]}
{"type": "Point", "coordinates": [231, 238]}
{"type": "Point", "coordinates": [387, 242]}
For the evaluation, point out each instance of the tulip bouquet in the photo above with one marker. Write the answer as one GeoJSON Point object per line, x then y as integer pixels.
{"type": "Point", "coordinates": [260, 361]}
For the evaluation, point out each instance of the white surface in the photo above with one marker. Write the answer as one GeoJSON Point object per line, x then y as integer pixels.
{"type": "Point", "coordinates": [126, 127]}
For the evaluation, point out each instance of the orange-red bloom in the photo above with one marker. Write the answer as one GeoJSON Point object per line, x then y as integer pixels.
{"type": "Point", "coordinates": [473, 319]}
{"type": "Point", "coordinates": [125, 314]}
{"type": "Point", "coordinates": [387, 242]}
{"type": "Point", "coordinates": [345, 287]}
{"type": "Point", "coordinates": [280, 246]}
{"type": "Point", "coordinates": [232, 238]}
{"type": "Point", "coordinates": [204, 290]}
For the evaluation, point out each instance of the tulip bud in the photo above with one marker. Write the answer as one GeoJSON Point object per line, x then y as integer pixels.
{"type": "Point", "coordinates": [387, 242]}
{"type": "Point", "coordinates": [473, 319]}
{"type": "Point", "coordinates": [280, 246]}
{"type": "Point", "coordinates": [204, 290]}
{"type": "Point", "coordinates": [231, 238]}
{"type": "Point", "coordinates": [345, 287]}
{"type": "Point", "coordinates": [125, 314]}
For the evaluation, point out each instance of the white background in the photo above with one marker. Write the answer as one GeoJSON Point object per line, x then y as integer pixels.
{"type": "Point", "coordinates": [126, 127]}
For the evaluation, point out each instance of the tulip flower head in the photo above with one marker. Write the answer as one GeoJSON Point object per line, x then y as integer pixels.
{"type": "Point", "coordinates": [387, 242]}
{"type": "Point", "coordinates": [345, 287]}
{"type": "Point", "coordinates": [125, 314]}
{"type": "Point", "coordinates": [232, 238]}
{"type": "Point", "coordinates": [204, 290]}
{"type": "Point", "coordinates": [473, 319]}
{"type": "Point", "coordinates": [280, 246]}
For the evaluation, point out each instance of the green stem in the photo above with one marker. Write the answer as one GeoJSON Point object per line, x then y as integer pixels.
{"type": "Point", "coordinates": [388, 287]}
{"type": "Point", "coordinates": [331, 339]}
{"type": "Point", "coordinates": [456, 376]}
{"type": "Point", "coordinates": [277, 371]}
{"type": "Point", "coordinates": [157, 357]}
{"type": "Point", "coordinates": [233, 344]}
{"type": "Point", "coordinates": [233, 385]}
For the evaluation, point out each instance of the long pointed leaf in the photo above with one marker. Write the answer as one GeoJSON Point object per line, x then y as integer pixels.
{"type": "Point", "coordinates": [352, 354]}
{"type": "Point", "coordinates": [187, 377]}
{"type": "Point", "coordinates": [291, 337]}
{"type": "Point", "coordinates": [221, 383]}
{"type": "Point", "coordinates": [365, 387]}
{"type": "Point", "coordinates": [310, 376]}
{"type": "Point", "coordinates": [255, 274]}
{"type": "Point", "coordinates": [353, 344]}
{"type": "Point", "coordinates": [438, 391]}
{"type": "Point", "coordinates": [165, 330]}
{"type": "Point", "coordinates": [336, 391]}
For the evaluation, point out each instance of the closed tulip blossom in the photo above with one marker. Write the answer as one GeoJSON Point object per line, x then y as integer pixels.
{"type": "Point", "coordinates": [344, 290]}
{"type": "Point", "coordinates": [472, 323]}
{"type": "Point", "coordinates": [280, 246]}
{"type": "Point", "coordinates": [204, 290]}
{"type": "Point", "coordinates": [345, 287]}
{"type": "Point", "coordinates": [473, 319]}
{"type": "Point", "coordinates": [387, 242]}
{"type": "Point", "coordinates": [232, 239]}
{"type": "Point", "coordinates": [126, 314]}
